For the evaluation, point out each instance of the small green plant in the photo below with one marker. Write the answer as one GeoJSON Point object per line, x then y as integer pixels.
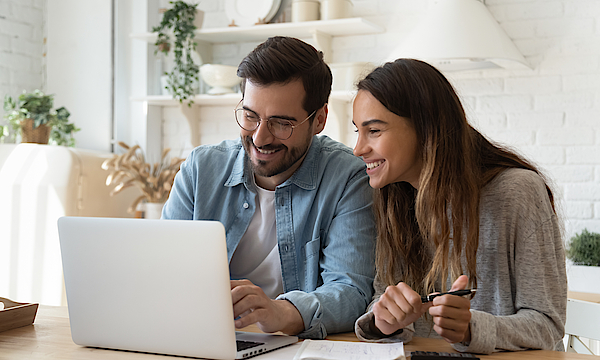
{"type": "Point", "coordinates": [180, 20]}
{"type": "Point", "coordinates": [38, 107]}
{"type": "Point", "coordinates": [584, 249]}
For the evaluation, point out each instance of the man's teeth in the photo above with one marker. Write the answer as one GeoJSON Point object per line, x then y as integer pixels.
{"type": "Point", "coordinates": [373, 165]}
{"type": "Point", "coordinates": [265, 151]}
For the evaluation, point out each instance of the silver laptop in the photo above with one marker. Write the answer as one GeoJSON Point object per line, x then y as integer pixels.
{"type": "Point", "coordinates": [157, 286]}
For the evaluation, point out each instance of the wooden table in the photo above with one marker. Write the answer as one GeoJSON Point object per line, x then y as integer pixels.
{"type": "Point", "coordinates": [584, 296]}
{"type": "Point", "coordinates": [50, 338]}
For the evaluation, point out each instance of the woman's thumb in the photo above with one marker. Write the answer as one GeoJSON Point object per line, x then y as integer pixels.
{"type": "Point", "coordinates": [460, 283]}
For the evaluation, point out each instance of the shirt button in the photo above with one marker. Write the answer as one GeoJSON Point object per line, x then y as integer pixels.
{"type": "Point", "coordinates": [246, 205]}
{"type": "Point", "coordinates": [285, 248]}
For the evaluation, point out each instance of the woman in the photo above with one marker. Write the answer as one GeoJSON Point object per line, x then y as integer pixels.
{"type": "Point", "coordinates": [449, 202]}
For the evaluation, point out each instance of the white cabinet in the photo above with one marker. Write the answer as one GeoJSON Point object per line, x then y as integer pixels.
{"type": "Point", "coordinates": [321, 32]}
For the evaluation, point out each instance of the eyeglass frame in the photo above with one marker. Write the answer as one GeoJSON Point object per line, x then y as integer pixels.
{"type": "Point", "coordinates": [260, 120]}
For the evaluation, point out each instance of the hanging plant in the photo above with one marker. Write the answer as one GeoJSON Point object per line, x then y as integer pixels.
{"type": "Point", "coordinates": [179, 20]}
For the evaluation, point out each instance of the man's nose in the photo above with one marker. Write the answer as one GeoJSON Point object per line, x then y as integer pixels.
{"type": "Point", "coordinates": [262, 135]}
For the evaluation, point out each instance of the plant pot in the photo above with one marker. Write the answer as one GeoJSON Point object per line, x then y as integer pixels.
{"type": "Point", "coordinates": [583, 278]}
{"type": "Point", "coordinates": [198, 19]}
{"type": "Point", "coordinates": [39, 135]}
{"type": "Point", "coordinates": [153, 210]}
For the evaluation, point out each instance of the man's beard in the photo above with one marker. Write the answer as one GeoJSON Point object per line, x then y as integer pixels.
{"type": "Point", "coordinates": [263, 168]}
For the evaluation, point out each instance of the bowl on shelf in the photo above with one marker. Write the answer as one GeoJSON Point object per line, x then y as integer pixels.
{"type": "Point", "coordinates": [221, 78]}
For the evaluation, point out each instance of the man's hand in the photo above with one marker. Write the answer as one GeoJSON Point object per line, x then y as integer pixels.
{"type": "Point", "coordinates": [397, 308]}
{"type": "Point", "coordinates": [252, 305]}
{"type": "Point", "coordinates": [451, 314]}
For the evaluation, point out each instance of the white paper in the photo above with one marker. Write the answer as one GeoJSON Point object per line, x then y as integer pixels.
{"type": "Point", "coordinates": [348, 350]}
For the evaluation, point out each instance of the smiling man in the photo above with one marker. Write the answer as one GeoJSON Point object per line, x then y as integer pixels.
{"type": "Point", "coordinates": [296, 206]}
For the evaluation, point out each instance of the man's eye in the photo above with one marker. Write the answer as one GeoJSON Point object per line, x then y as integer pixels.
{"type": "Point", "coordinates": [251, 117]}
{"type": "Point", "coordinates": [280, 122]}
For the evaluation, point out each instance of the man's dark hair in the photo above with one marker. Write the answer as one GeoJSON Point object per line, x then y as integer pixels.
{"type": "Point", "coordinates": [283, 59]}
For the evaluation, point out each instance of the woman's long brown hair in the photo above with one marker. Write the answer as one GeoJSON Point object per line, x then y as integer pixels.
{"type": "Point", "coordinates": [442, 216]}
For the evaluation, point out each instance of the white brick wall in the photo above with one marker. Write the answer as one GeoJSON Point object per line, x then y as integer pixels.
{"type": "Point", "coordinates": [551, 113]}
{"type": "Point", "coordinates": [22, 27]}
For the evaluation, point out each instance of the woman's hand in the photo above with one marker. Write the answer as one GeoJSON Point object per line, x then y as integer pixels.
{"type": "Point", "coordinates": [397, 308]}
{"type": "Point", "coordinates": [451, 314]}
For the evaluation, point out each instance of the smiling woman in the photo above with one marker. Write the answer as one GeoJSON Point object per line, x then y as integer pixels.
{"type": "Point", "coordinates": [386, 142]}
{"type": "Point", "coordinates": [454, 210]}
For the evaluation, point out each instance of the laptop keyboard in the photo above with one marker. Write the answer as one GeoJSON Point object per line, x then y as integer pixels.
{"type": "Point", "coordinates": [243, 345]}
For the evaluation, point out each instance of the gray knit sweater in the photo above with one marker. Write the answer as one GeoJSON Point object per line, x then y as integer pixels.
{"type": "Point", "coordinates": [521, 281]}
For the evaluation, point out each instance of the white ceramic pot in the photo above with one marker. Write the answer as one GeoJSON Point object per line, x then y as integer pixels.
{"type": "Point", "coordinates": [336, 9]}
{"type": "Point", "coordinates": [305, 10]}
{"type": "Point", "coordinates": [346, 75]}
{"type": "Point", "coordinates": [199, 19]}
{"type": "Point", "coordinates": [221, 78]}
{"type": "Point", "coordinates": [153, 210]}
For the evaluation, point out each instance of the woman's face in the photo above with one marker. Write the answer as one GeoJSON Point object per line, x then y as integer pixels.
{"type": "Point", "coordinates": [386, 142]}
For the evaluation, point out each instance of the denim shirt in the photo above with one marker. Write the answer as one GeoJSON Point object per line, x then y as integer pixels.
{"type": "Point", "coordinates": [324, 223]}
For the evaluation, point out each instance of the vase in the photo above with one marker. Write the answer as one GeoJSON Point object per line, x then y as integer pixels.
{"type": "Point", "coordinates": [198, 19]}
{"type": "Point", "coordinates": [38, 135]}
{"type": "Point", "coordinates": [153, 210]}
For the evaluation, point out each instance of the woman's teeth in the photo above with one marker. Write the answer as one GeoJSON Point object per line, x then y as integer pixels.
{"type": "Point", "coordinates": [373, 165]}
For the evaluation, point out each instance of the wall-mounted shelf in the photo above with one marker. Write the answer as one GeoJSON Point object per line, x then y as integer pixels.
{"type": "Point", "coordinates": [321, 31]}
{"type": "Point", "coordinates": [223, 100]}
{"type": "Point", "coordinates": [338, 100]}
{"type": "Point", "coordinates": [337, 27]}
{"type": "Point", "coordinates": [201, 100]}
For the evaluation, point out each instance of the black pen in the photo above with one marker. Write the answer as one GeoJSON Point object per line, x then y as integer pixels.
{"type": "Point", "coordinates": [429, 298]}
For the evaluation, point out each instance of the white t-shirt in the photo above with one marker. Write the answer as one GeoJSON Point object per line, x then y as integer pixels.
{"type": "Point", "coordinates": [256, 257]}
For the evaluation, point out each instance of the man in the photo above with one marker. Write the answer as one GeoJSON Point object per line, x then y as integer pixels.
{"type": "Point", "coordinates": [296, 207]}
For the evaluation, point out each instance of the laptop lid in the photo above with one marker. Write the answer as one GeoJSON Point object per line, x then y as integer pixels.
{"type": "Point", "coordinates": [158, 286]}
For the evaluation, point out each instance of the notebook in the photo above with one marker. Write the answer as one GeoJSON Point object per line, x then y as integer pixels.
{"type": "Point", "coordinates": [156, 286]}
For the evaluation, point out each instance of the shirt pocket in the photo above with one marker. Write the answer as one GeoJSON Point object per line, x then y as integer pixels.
{"type": "Point", "coordinates": [312, 250]}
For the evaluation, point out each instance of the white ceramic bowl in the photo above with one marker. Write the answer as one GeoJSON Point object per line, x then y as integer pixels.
{"type": "Point", "coordinates": [221, 78]}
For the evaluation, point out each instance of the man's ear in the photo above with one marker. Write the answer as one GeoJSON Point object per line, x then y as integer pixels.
{"type": "Point", "coordinates": [320, 119]}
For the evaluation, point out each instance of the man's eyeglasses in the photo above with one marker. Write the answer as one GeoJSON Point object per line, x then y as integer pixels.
{"type": "Point", "coordinates": [278, 127]}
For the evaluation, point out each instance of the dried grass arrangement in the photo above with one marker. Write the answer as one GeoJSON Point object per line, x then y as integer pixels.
{"type": "Point", "coordinates": [131, 169]}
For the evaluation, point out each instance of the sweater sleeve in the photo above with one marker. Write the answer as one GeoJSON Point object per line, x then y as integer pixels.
{"type": "Point", "coordinates": [365, 328]}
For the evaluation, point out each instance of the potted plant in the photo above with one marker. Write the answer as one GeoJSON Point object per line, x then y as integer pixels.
{"type": "Point", "coordinates": [584, 251]}
{"type": "Point", "coordinates": [179, 21]}
{"type": "Point", "coordinates": [131, 169]}
{"type": "Point", "coordinates": [34, 119]}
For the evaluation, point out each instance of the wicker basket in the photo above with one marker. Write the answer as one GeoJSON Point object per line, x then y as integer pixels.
{"type": "Point", "coordinates": [39, 135]}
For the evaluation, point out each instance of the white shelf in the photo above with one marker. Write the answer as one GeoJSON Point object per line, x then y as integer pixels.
{"type": "Point", "coordinates": [203, 100]}
{"type": "Point", "coordinates": [224, 100]}
{"type": "Point", "coordinates": [337, 27]}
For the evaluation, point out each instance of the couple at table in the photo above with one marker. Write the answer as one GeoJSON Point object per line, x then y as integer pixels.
{"type": "Point", "coordinates": [322, 239]}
